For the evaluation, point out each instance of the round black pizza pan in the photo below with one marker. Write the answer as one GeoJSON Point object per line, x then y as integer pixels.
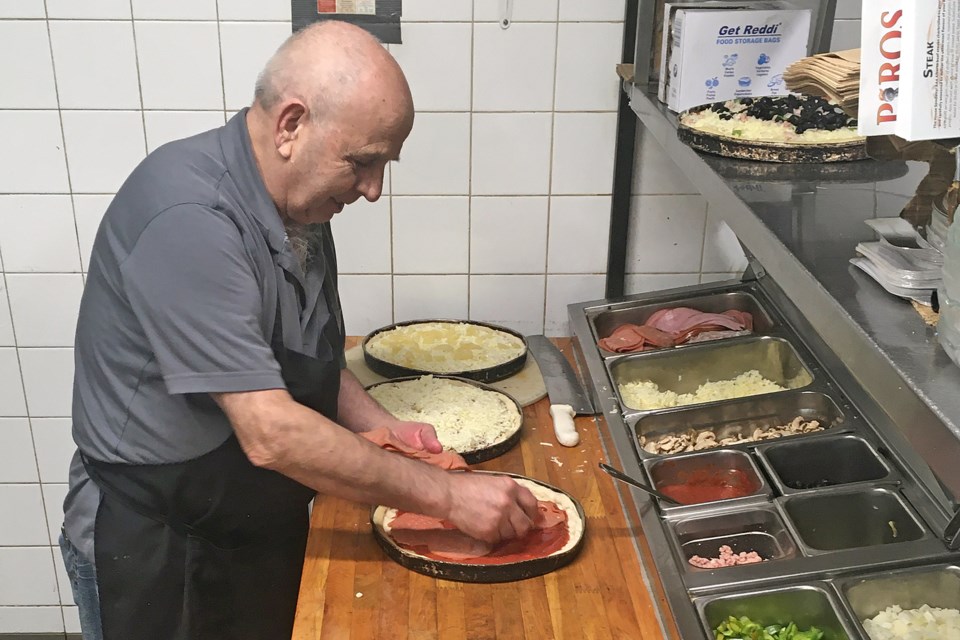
{"type": "Point", "coordinates": [868, 170]}
{"type": "Point", "coordinates": [486, 453]}
{"type": "Point", "coordinates": [488, 374]}
{"type": "Point", "coordinates": [771, 151]}
{"type": "Point", "coordinates": [460, 572]}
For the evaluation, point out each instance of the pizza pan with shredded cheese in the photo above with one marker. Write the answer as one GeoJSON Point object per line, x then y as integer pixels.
{"type": "Point", "coordinates": [466, 416]}
{"type": "Point", "coordinates": [444, 347]}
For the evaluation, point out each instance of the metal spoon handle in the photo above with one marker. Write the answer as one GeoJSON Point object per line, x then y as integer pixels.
{"type": "Point", "coordinates": [622, 477]}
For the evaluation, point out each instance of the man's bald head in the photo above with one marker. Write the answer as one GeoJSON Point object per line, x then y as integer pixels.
{"type": "Point", "coordinates": [332, 108]}
{"type": "Point", "coordinates": [333, 67]}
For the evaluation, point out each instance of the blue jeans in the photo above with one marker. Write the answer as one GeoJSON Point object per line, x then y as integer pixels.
{"type": "Point", "coordinates": [83, 583]}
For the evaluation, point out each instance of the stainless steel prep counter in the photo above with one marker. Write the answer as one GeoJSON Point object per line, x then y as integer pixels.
{"type": "Point", "coordinates": [868, 351]}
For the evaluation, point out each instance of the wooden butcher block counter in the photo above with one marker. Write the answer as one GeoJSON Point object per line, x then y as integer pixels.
{"type": "Point", "coordinates": [351, 589]}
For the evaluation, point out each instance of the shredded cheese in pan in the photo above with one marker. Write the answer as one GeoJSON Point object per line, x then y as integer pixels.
{"type": "Point", "coordinates": [644, 394]}
{"type": "Point", "coordinates": [445, 347]}
{"type": "Point", "coordinates": [466, 417]}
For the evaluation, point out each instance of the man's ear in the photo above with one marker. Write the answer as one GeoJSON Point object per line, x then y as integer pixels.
{"type": "Point", "coordinates": [292, 118]}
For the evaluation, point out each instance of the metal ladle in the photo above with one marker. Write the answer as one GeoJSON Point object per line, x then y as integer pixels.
{"type": "Point", "coordinates": [622, 477]}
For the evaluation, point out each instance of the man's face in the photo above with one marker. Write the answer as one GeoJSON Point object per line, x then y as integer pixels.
{"type": "Point", "coordinates": [335, 163]}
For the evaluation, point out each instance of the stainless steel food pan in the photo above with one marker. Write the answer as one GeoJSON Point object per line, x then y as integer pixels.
{"type": "Point", "coordinates": [932, 585]}
{"type": "Point", "coordinates": [811, 464]}
{"type": "Point", "coordinates": [725, 465]}
{"type": "Point", "coordinates": [684, 370]}
{"type": "Point", "coordinates": [830, 520]}
{"type": "Point", "coordinates": [737, 418]}
{"type": "Point", "coordinates": [759, 529]}
{"type": "Point", "coordinates": [605, 322]}
{"type": "Point", "coordinates": [808, 605]}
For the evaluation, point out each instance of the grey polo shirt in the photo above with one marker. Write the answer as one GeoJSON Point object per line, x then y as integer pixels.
{"type": "Point", "coordinates": [188, 268]}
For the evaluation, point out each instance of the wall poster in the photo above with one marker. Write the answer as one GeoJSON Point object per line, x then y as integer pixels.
{"type": "Point", "coordinates": [379, 17]}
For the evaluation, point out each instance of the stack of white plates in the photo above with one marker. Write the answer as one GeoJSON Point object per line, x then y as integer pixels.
{"type": "Point", "coordinates": [902, 262]}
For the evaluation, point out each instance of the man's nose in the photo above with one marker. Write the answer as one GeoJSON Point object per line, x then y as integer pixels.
{"type": "Point", "coordinates": [371, 185]}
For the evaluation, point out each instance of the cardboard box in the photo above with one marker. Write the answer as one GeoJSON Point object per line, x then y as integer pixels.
{"type": "Point", "coordinates": [669, 13]}
{"type": "Point", "coordinates": [930, 78]}
{"type": "Point", "coordinates": [720, 55]}
{"type": "Point", "coordinates": [881, 44]}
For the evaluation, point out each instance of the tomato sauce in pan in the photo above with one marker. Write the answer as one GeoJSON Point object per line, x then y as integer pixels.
{"type": "Point", "coordinates": [708, 485]}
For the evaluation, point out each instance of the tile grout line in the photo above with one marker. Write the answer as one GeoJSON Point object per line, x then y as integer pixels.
{"type": "Point", "coordinates": [470, 195]}
{"type": "Point", "coordinates": [23, 383]}
{"type": "Point", "coordinates": [553, 133]}
{"type": "Point", "coordinates": [136, 61]}
{"type": "Point", "coordinates": [223, 80]}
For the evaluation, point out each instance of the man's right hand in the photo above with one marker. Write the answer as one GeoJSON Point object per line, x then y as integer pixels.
{"type": "Point", "coordinates": [490, 508]}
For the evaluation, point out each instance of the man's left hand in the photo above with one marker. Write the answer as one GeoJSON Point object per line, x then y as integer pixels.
{"type": "Point", "coordinates": [418, 435]}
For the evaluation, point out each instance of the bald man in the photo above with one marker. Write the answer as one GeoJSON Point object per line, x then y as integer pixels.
{"type": "Point", "coordinates": [211, 401]}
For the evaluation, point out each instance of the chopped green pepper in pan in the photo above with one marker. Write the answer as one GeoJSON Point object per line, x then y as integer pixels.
{"type": "Point", "coordinates": [743, 628]}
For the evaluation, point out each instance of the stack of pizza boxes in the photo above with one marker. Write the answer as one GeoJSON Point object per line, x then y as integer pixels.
{"type": "Point", "coordinates": [910, 69]}
{"type": "Point", "coordinates": [714, 51]}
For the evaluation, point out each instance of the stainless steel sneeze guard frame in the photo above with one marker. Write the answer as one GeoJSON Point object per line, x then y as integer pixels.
{"type": "Point", "coordinates": [784, 524]}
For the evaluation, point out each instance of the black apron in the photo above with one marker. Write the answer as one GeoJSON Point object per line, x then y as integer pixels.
{"type": "Point", "coordinates": [211, 548]}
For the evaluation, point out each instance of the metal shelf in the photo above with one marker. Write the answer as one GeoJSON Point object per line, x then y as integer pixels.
{"type": "Point", "coordinates": [801, 223]}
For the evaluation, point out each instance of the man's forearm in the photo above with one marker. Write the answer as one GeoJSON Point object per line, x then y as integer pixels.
{"type": "Point", "coordinates": [357, 410]}
{"type": "Point", "coordinates": [280, 434]}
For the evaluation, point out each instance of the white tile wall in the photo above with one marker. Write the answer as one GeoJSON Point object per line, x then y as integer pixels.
{"type": "Point", "coordinates": [55, 447]}
{"type": "Point", "coordinates": [22, 9]}
{"type": "Point", "coordinates": [36, 582]}
{"type": "Point", "coordinates": [88, 211]}
{"type": "Point", "coordinates": [254, 10]}
{"type": "Point", "coordinates": [29, 526]}
{"type": "Point", "coordinates": [174, 10]}
{"type": "Point", "coordinates": [29, 83]}
{"type": "Point", "coordinates": [579, 230]}
{"type": "Point", "coordinates": [30, 619]}
{"type": "Point", "coordinates": [513, 68]}
{"type": "Point", "coordinates": [436, 81]}
{"type": "Point", "coordinates": [31, 156]}
{"type": "Point", "coordinates": [586, 53]}
{"type": "Point", "coordinates": [244, 47]}
{"type": "Point", "coordinates": [6, 321]}
{"type": "Point", "coordinates": [48, 380]}
{"type": "Point", "coordinates": [96, 64]}
{"type": "Point", "coordinates": [535, 11]}
{"type": "Point", "coordinates": [666, 234]}
{"type": "Point", "coordinates": [37, 233]}
{"type": "Point", "coordinates": [438, 11]}
{"type": "Point", "coordinates": [45, 307]}
{"type": "Point", "coordinates": [523, 249]}
{"type": "Point", "coordinates": [433, 160]}
{"type": "Point", "coordinates": [103, 147]}
{"type": "Point", "coordinates": [499, 208]}
{"type": "Point", "coordinates": [185, 55]}
{"type": "Point", "coordinates": [513, 301]}
{"type": "Point", "coordinates": [12, 402]}
{"type": "Point", "coordinates": [430, 234]}
{"type": "Point", "coordinates": [582, 161]}
{"type": "Point", "coordinates": [511, 153]}
{"type": "Point", "coordinates": [417, 297]}
{"type": "Point", "coordinates": [164, 126]}
{"type": "Point", "coordinates": [362, 234]}
{"type": "Point", "coordinates": [367, 302]}
{"type": "Point", "coordinates": [564, 289]}
{"type": "Point", "coordinates": [89, 10]}
{"type": "Point", "coordinates": [19, 463]}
